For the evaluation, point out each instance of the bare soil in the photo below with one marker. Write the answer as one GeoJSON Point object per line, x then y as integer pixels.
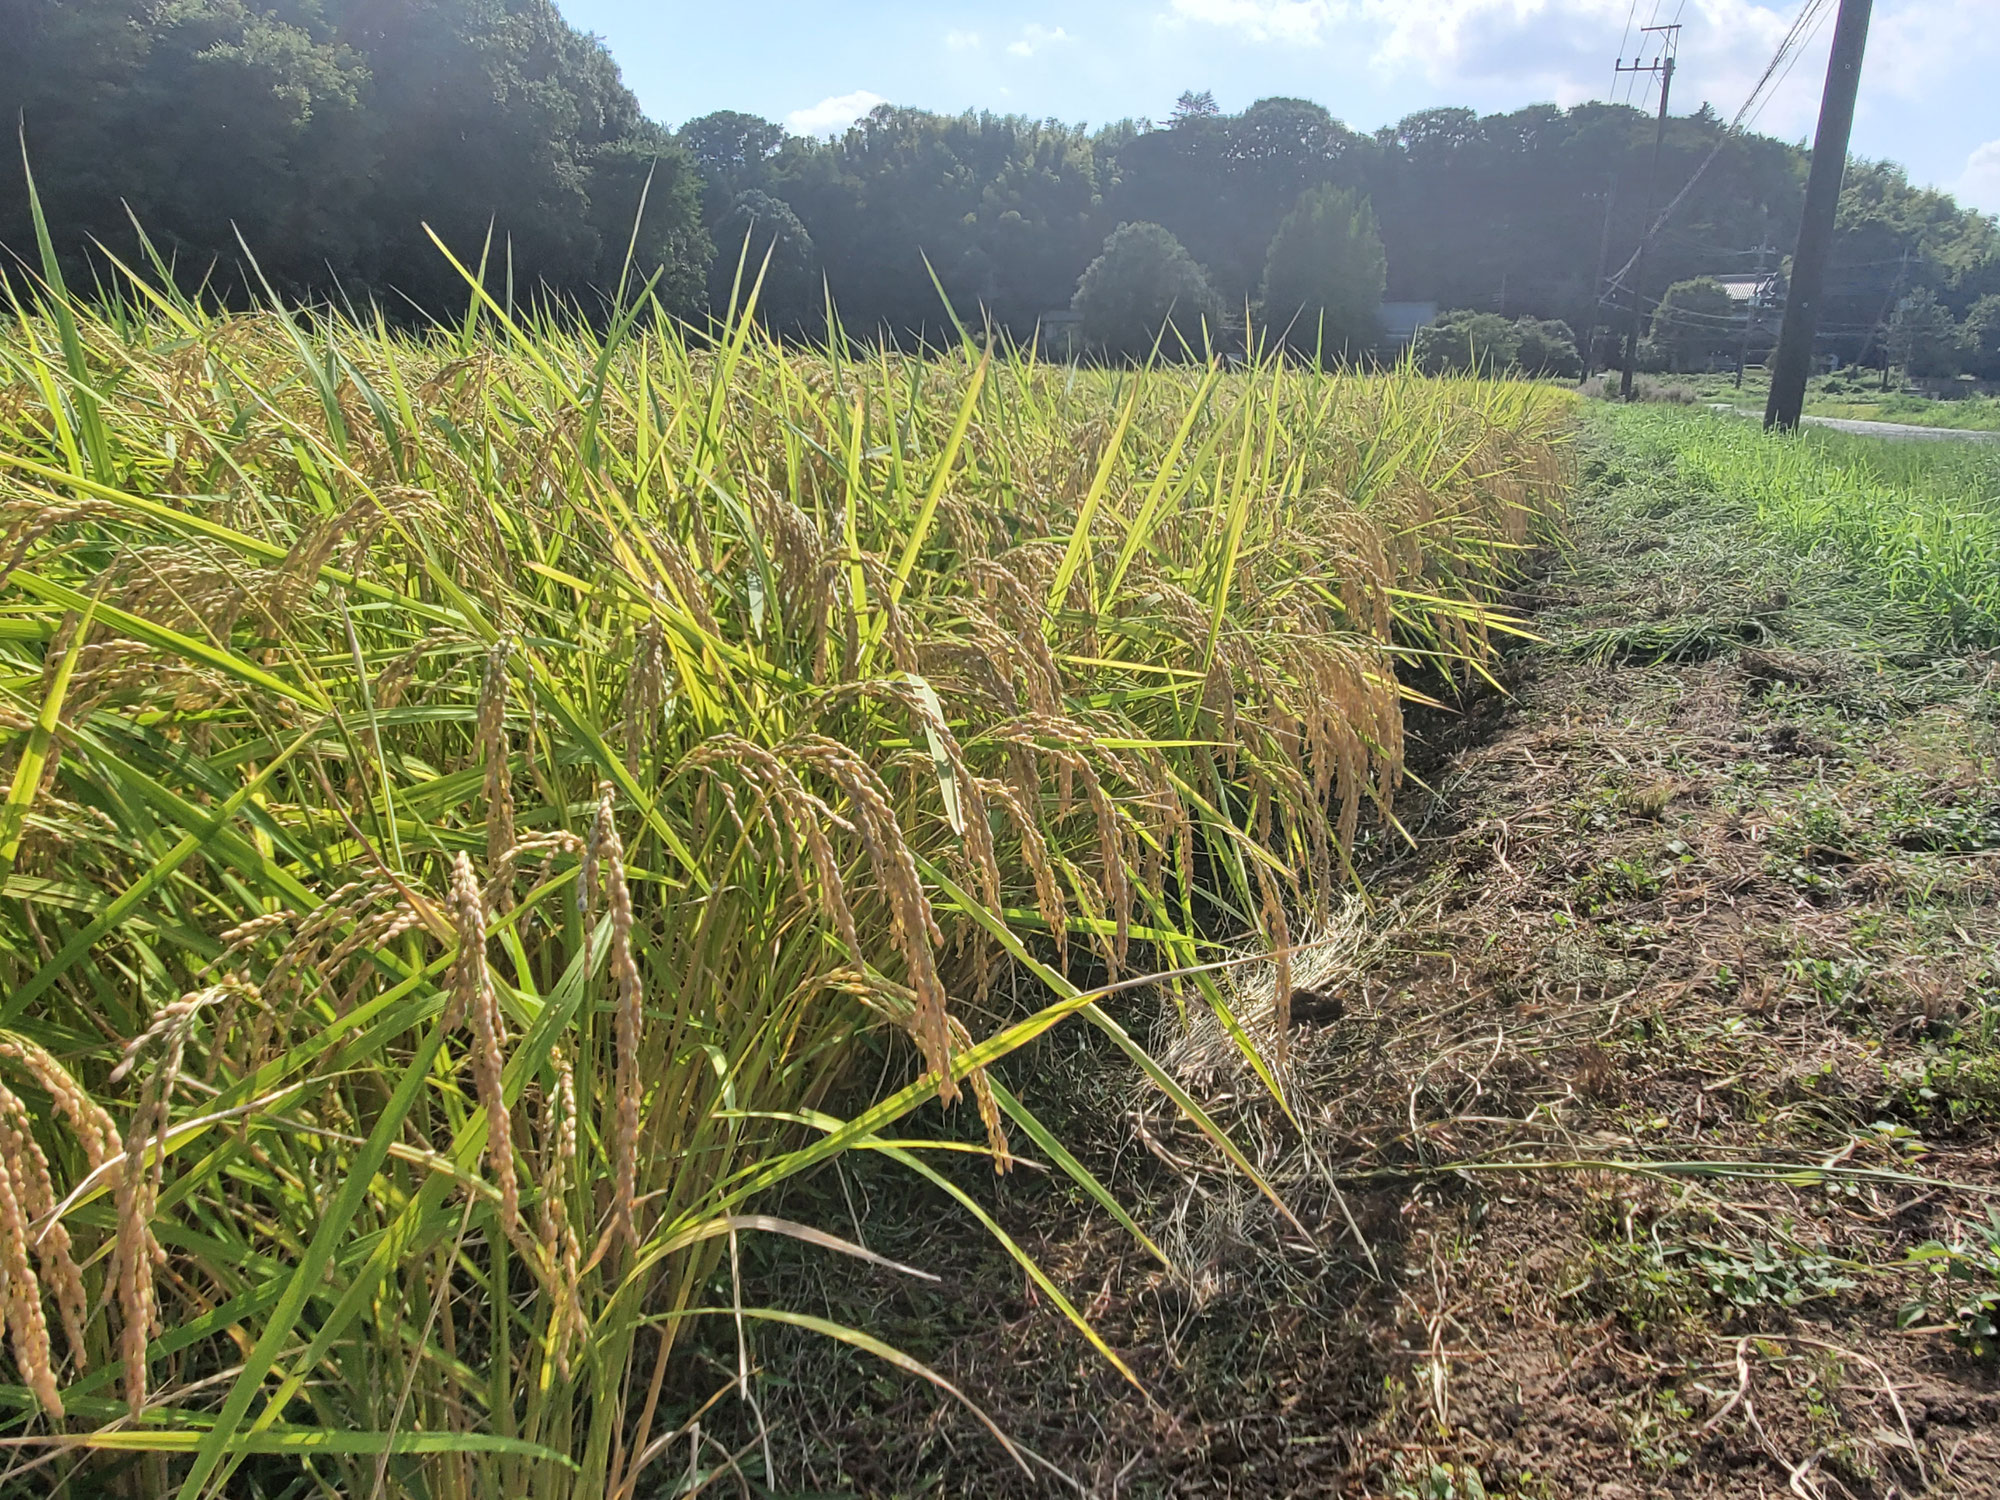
{"type": "Point", "coordinates": [1634, 1103]}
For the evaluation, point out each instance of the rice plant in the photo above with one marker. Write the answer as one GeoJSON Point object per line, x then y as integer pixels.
{"type": "Point", "coordinates": [475, 793]}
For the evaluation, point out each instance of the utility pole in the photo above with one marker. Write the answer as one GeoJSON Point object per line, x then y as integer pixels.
{"type": "Point", "coordinates": [1664, 66]}
{"type": "Point", "coordinates": [1753, 313]}
{"type": "Point", "coordinates": [1597, 286]}
{"type": "Point", "coordinates": [1793, 362]}
{"type": "Point", "coordinates": [1882, 324]}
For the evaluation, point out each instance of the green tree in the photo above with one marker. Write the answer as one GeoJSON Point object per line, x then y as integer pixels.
{"type": "Point", "coordinates": [1547, 347]}
{"type": "Point", "coordinates": [1922, 336]}
{"type": "Point", "coordinates": [499, 116]}
{"type": "Point", "coordinates": [1222, 183]}
{"type": "Point", "coordinates": [330, 133]}
{"type": "Point", "coordinates": [761, 236]}
{"type": "Point", "coordinates": [668, 246]}
{"type": "Point", "coordinates": [1144, 282]}
{"type": "Point", "coordinates": [201, 117]}
{"type": "Point", "coordinates": [1324, 276]}
{"type": "Point", "coordinates": [1003, 210]}
{"type": "Point", "coordinates": [1464, 342]}
{"type": "Point", "coordinates": [1194, 105]}
{"type": "Point", "coordinates": [1695, 322]}
{"type": "Point", "coordinates": [1980, 337]}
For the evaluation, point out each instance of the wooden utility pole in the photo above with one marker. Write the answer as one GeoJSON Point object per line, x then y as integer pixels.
{"type": "Point", "coordinates": [1753, 312]}
{"type": "Point", "coordinates": [1793, 361]}
{"type": "Point", "coordinates": [1597, 285]}
{"type": "Point", "coordinates": [1664, 66]}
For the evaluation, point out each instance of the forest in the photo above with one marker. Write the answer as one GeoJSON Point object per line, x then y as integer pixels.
{"type": "Point", "coordinates": [314, 146]}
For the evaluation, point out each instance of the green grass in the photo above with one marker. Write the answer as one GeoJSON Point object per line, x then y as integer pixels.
{"type": "Point", "coordinates": [1920, 519]}
{"type": "Point", "coordinates": [519, 781]}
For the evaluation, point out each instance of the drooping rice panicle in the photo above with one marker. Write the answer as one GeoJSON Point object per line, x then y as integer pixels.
{"type": "Point", "coordinates": [781, 694]}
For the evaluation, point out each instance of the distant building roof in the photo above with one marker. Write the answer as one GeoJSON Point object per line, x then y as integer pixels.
{"type": "Point", "coordinates": [1749, 286]}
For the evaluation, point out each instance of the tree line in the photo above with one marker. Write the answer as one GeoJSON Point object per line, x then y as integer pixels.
{"type": "Point", "coordinates": [329, 133]}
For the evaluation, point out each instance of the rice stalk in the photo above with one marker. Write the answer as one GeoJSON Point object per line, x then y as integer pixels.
{"type": "Point", "coordinates": [501, 779]}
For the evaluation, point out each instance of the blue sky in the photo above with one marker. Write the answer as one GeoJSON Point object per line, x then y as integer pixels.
{"type": "Point", "coordinates": [1930, 93]}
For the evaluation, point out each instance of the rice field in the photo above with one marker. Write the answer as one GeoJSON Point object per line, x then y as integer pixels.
{"type": "Point", "coordinates": [1921, 519]}
{"type": "Point", "coordinates": [482, 804]}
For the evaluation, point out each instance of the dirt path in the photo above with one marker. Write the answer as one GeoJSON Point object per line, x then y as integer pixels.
{"type": "Point", "coordinates": [1658, 1058]}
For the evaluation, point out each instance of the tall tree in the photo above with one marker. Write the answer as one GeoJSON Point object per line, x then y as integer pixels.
{"type": "Point", "coordinates": [329, 133]}
{"type": "Point", "coordinates": [761, 244]}
{"type": "Point", "coordinates": [201, 118]}
{"type": "Point", "coordinates": [1922, 337]}
{"type": "Point", "coordinates": [1324, 278]}
{"type": "Point", "coordinates": [1980, 338]}
{"type": "Point", "coordinates": [1144, 288]}
{"type": "Point", "coordinates": [735, 153]}
{"type": "Point", "coordinates": [1695, 322]}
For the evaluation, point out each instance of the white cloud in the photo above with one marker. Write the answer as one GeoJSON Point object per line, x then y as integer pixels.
{"type": "Point", "coordinates": [1562, 49]}
{"type": "Point", "coordinates": [830, 116]}
{"type": "Point", "coordinates": [1035, 37]}
{"type": "Point", "coordinates": [1294, 21]}
{"type": "Point", "coordinates": [1979, 186]}
{"type": "Point", "coordinates": [962, 41]}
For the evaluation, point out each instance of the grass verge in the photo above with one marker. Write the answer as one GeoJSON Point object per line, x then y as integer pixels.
{"type": "Point", "coordinates": [1921, 521]}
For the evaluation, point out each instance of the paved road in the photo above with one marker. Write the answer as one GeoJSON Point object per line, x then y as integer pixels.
{"type": "Point", "coordinates": [1904, 430]}
{"type": "Point", "coordinates": [1882, 429]}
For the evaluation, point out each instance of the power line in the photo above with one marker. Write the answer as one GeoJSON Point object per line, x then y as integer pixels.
{"type": "Point", "coordinates": [1820, 13]}
{"type": "Point", "coordinates": [1793, 38]}
{"type": "Point", "coordinates": [1617, 77]}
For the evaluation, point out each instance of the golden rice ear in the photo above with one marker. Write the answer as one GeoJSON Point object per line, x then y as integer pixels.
{"type": "Point", "coordinates": [672, 574]}
{"type": "Point", "coordinates": [472, 997]}
{"type": "Point", "coordinates": [912, 924]}
{"type": "Point", "coordinates": [1035, 855]}
{"type": "Point", "coordinates": [28, 1171]}
{"type": "Point", "coordinates": [645, 691]}
{"type": "Point", "coordinates": [561, 1251]}
{"type": "Point", "coordinates": [607, 857]}
{"type": "Point", "coordinates": [298, 575]}
{"type": "Point", "coordinates": [928, 720]}
{"type": "Point", "coordinates": [1022, 613]}
{"type": "Point", "coordinates": [92, 1125]}
{"type": "Point", "coordinates": [22, 1304]}
{"type": "Point", "coordinates": [1112, 877]}
{"type": "Point", "coordinates": [989, 1108]}
{"type": "Point", "coordinates": [27, 1193]}
{"type": "Point", "coordinates": [138, 1252]}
